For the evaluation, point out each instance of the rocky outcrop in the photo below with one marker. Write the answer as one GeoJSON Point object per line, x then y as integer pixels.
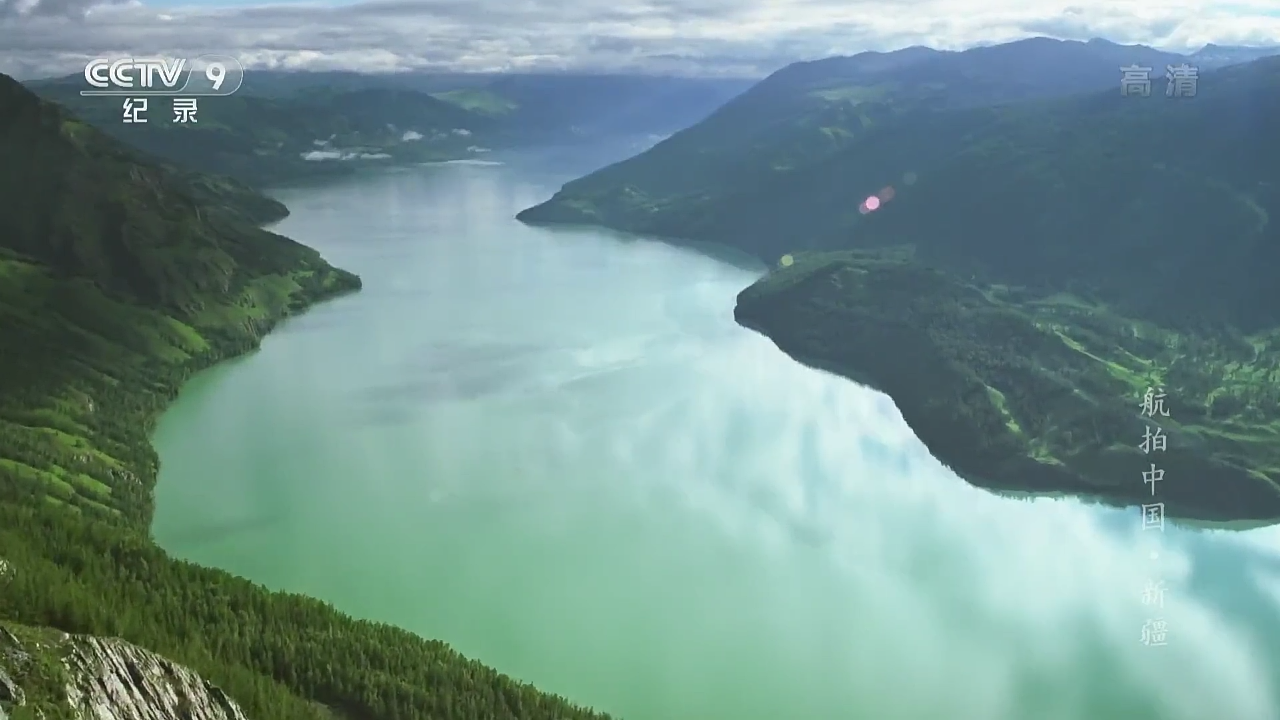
{"type": "Point", "coordinates": [11, 655]}
{"type": "Point", "coordinates": [106, 679]}
{"type": "Point", "coordinates": [113, 680]}
{"type": "Point", "coordinates": [10, 694]}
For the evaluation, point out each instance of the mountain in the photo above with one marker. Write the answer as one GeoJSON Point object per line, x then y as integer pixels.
{"type": "Point", "coordinates": [971, 184]}
{"type": "Point", "coordinates": [84, 208]}
{"type": "Point", "coordinates": [282, 127]}
{"type": "Point", "coordinates": [120, 277]}
{"type": "Point", "coordinates": [1215, 56]}
{"type": "Point", "coordinates": [284, 83]}
{"type": "Point", "coordinates": [269, 140]}
{"type": "Point", "coordinates": [539, 107]}
{"type": "Point", "coordinates": [808, 112]}
{"type": "Point", "coordinates": [555, 107]}
{"type": "Point", "coordinates": [1016, 277]}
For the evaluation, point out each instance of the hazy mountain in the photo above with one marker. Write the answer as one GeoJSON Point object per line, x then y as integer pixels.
{"type": "Point", "coordinates": [539, 106]}
{"type": "Point", "coordinates": [1214, 56]}
{"type": "Point", "coordinates": [548, 107]}
{"type": "Point", "coordinates": [286, 126]}
{"type": "Point", "coordinates": [266, 140]}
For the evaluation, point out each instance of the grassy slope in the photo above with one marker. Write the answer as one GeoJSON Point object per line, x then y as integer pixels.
{"type": "Point", "coordinates": [119, 278]}
{"type": "Point", "coordinates": [34, 662]}
{"type": "Point", "coordinates": [1019, 391]}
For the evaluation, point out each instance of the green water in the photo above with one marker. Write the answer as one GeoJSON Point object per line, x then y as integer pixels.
{"type": "Point", "coordinates": [554, 450]}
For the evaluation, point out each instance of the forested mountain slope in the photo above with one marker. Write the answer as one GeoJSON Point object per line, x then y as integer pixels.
{"type": "Point", "coordinates": [1067, 193]}
{"type": "Point", "coordinates": [811, 111]}
{"type": "Point", "coordinates": [119, 278]}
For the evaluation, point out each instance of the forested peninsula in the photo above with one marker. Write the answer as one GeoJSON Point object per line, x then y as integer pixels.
{"type": "Point", "coordinates": [1039, 393]}
{"type": "Point", "coordinates": [1016, 268]}
{"type": "Point", "coordinates": [120, 277]}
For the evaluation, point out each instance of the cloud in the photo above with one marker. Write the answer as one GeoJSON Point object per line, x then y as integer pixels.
{"type": "Point", "coordinates": [48, 8]}
{"type": "Point", "coordinates": [318, 155]}
{"type": "Point", "coordinates": [732, 37]}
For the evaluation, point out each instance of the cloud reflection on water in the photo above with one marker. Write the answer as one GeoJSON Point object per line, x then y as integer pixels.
{"type": "Point", "coordinates": [667, 517]}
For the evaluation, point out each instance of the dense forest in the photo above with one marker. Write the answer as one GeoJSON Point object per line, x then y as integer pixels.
{"type": "Point", "coordinates": [1017, 391]}
{"type": "Point", "coordinates": [276, 654]}
{"type": "Point", "coordinates": [119, 278]}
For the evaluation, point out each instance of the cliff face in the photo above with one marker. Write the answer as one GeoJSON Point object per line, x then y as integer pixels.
{"type": "Point", "coordinates": [49, 674]}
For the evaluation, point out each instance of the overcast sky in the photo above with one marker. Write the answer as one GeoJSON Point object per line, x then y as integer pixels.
{"type": "Point", "coordinates": [731, 37]}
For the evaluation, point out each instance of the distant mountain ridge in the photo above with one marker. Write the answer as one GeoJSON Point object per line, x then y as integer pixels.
{"type": "Point", "coordinates": [283, 127]}
{"type": "Point", "coordinates": [1214, 56]}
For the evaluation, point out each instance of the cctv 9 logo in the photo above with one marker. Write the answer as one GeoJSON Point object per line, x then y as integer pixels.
{"type": "Point", "coordinates": [207, 75]}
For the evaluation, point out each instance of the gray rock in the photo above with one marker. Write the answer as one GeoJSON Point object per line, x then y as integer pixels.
{"type": "Point", "coordinates": [7, 637]}
{"type": "Point", "coordinates": [110, 679]}
{"type": "Point", "coordinates": [113, 680]}
{"type": "Point", "coordinates": [10, 694]}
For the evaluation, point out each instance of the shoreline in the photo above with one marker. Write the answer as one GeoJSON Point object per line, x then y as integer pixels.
{"type": "Point", "coordinates": [98, 572]}
{"type": "Point", "coordinates": [1002, 489]}
{"type": "Point", "coordinates": [1058, 482]}
{"type": "Point", "coordinates": [1061, 480]}
{"type": "Point", "coordinates": [726, 254]}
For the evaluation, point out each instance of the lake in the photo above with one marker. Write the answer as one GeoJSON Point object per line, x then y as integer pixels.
{"type": "Point", "coordinates": [556, 451]}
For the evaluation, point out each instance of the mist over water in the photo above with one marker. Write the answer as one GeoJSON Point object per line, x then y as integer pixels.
{"type": "Point", "coordinates": [556, 451]}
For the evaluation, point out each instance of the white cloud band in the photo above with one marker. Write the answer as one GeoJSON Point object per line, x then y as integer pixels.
{"type": "Point", "coordinates": [733, 37]}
